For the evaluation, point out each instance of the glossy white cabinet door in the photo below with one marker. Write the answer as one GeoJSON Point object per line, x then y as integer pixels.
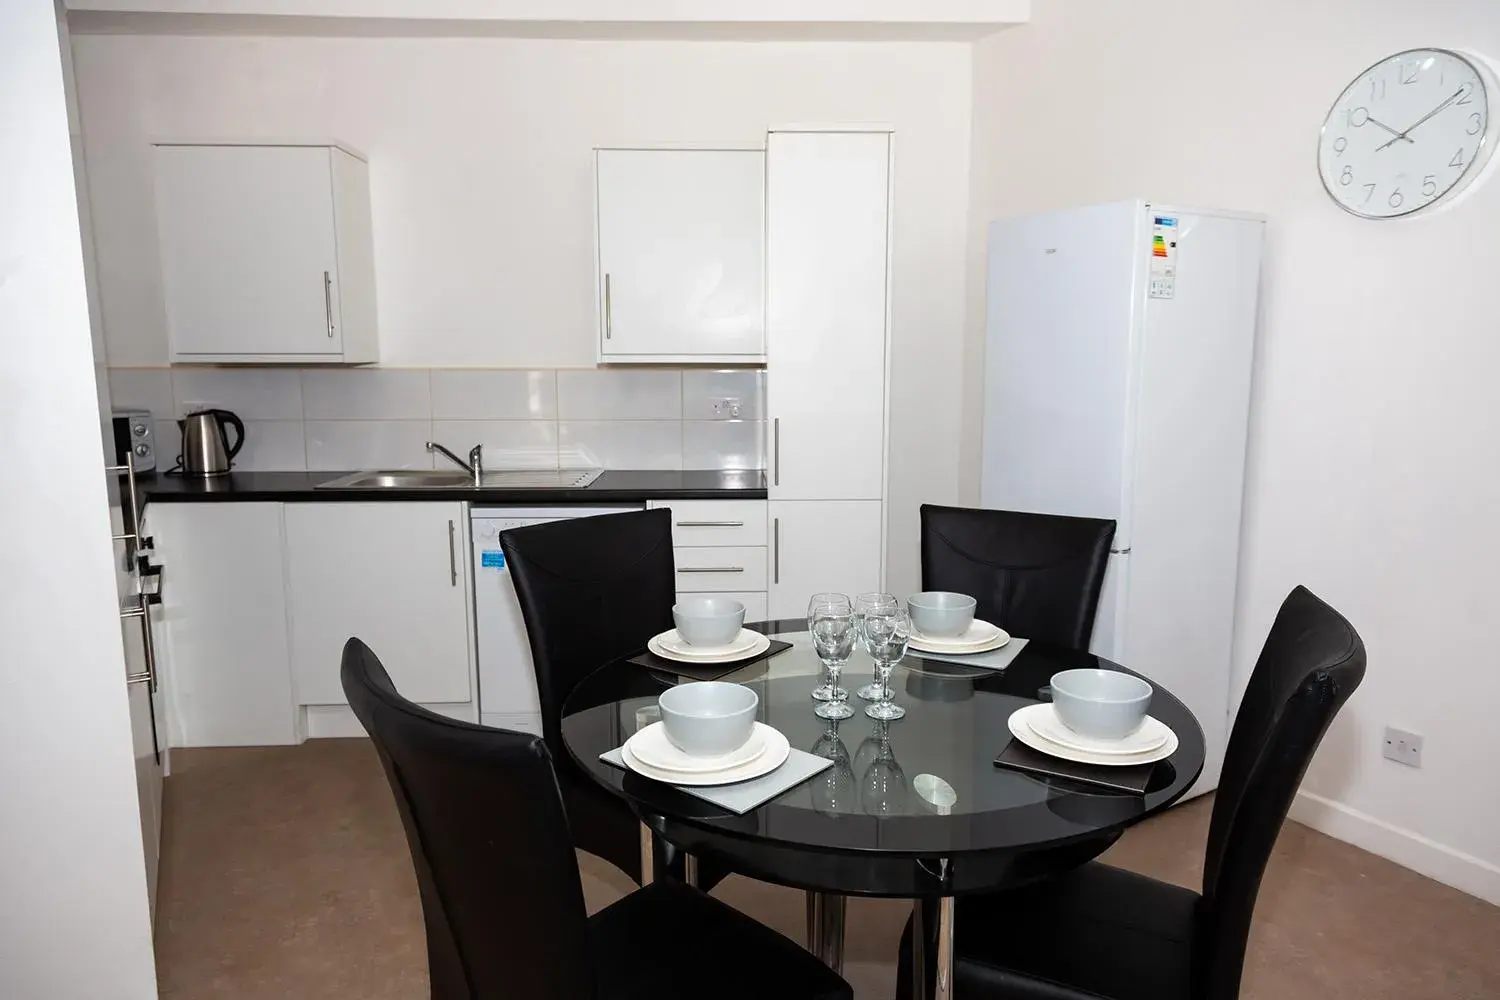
{"type": "Point", "coordinates": [681, 254]}
{"type": "Point", "coordinates": [826, 257]}
{"type": "Point", "coordinates": [265, 253]}
{"type": "Point", "coordinates": [392, 574]}
{"type": "Point", "coordinates": [823, 545]}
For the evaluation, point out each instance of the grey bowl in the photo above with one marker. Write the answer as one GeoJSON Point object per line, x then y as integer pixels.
{"type": "Point", "coordinates": [940, 612]}
{"type": "Point", "coordinates": [708, 718]}
{"type": "Point", "coordinates": [708, 621]}
{"type": "Point", "coordinates": [1104, 704]}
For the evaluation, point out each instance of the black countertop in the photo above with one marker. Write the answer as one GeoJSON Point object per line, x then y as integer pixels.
{"type": "Point", "coordinates": [613, 486]}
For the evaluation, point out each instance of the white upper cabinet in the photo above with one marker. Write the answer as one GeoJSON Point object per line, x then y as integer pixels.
{"type": "Point", "coordinates": [827, 257]}
{"type": "Point", "coordinates": [266, 254]}
{"type": "Point", "coordinates": [681, 255]}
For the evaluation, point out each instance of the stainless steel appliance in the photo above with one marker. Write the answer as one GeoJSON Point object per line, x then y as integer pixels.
{"type": "Point", "coordinates": [206, 450]}
{"type": "Point", "coordinates": [135, 435]}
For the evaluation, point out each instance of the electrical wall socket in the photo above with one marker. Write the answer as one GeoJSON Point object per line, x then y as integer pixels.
{"type": "Point", "coordinates": [727, 408]}
{"type": "Point", "coordinates": [1403, 747]}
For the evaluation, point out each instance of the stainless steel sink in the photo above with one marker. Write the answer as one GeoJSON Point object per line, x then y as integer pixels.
{"type": "Point", "coordinates": [445, 479]}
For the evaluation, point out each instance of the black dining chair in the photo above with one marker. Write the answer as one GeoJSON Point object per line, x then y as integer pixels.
{"type": "Point", "coordinates": [1103, 933]}
{"type": "Point", "coordinates": [501, 893]}
{"type": "Point", "coordinates": [592, 589]}
{"type": "Point", "coordinates": [1034, 575]}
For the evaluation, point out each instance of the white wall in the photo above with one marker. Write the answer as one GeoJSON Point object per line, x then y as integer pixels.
{"type": "Point", "coordinates": [1374, 471]}
{"type": "Point", "coordinates": [74, 921]}
{"type": "Point", "coordinates": [482, 187]}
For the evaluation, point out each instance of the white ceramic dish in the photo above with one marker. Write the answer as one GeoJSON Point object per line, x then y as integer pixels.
{"type": "Point", "coordinates": [1048, 726]}
{"type": "Point", "coordinates": [941, 612]}
{"type": "Point", "coordinates": [980, 637]}
{"type": "Point", "coordinates": [1101, 704]}
{"type": "Point", "coordinates": [708, 621]}
{"type": "Point", "coordinates": [652, 748]}
{"type": "Point", "coordinates": [776, 752]}
{"type": "Point", "coordinates": [673, 640]}
{"type": "Point", "coordinates": [754, 647]}
{"type": "Point", "coordinates": [1021, 729]}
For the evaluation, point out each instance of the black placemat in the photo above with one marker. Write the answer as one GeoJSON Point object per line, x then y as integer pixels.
{"type": "Point", "coordinates": [1019, 757]}
{"type": "Point", "coordinates": [704, 671]}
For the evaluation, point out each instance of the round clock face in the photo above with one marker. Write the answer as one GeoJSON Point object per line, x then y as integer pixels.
{"type": "Point", "coordinates": [1407, 132]}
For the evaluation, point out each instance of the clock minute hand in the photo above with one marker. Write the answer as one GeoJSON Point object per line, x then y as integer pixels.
{"type": "Point", "coordinates": [1456, 95]}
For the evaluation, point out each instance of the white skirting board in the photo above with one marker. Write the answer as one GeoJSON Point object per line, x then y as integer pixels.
{"type": "Point", "coordinates": [1462, 871]}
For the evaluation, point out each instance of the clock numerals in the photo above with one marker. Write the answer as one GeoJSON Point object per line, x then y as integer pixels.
{"type": "Point", "coordinates": [1468, 91]}
{"type": "Point", "coordinates": [1409, 72]}
{"type": "Point", "coordinates": [1358, 117]}
{"type": "Point", "coordinates": [1476, 123]}
{"type": "Point", "coordinates": [1369, 190]}
{"type": "Point", "coordinates": [1339, 145]}
{"type": "Point", "coordinates": [1458, 158]}
{"type": "Point", "coordinates": [1429, 185]}
{"type": "Point", "coordinates": [1347, 177]}
{"type": "Point", "coordinates": [1377, 88]}
{"type": "Point", "coordinates": [1396, 199]}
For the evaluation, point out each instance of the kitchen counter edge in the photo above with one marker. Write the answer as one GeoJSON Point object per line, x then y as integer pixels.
{"type": "Point", "coordinates": [613, 486]}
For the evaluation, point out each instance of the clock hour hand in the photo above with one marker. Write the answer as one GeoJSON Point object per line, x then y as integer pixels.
{"type": "Point", "coordinates": [1456, 95]}
{"type": "Point", "coordinates": [1399, 135]}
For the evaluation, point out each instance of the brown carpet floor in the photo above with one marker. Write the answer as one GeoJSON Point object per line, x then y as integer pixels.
{"type": "Point", "coordinates": [285, 875]}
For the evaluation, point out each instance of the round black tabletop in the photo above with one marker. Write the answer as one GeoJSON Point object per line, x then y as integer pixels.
{"type": "Point", "coordinates": [870, 824]}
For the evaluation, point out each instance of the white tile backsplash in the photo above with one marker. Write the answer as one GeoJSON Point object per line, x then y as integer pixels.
{"type": "Point", "coordinates": [701, 388]}
{"type": "Point", "coordinates": [368, 444]}
{"type": "Point", "coordinates": [723, 444]}
{"type": "Point", "coordinates": [459, 394]}
{"type": "Point", "coordinates": [348, 419]}
{"type": "Point", "coordinates": [367, 394]}
{"type": "Point", "coordinates": [142, 389]}
{"type": "Point", "coordinates": [619, 394]}
{"type": "Point", "coordinates": [624, 444]}
{"type": "Point", "coordinates": [272, 445]}
{"type": "Point", "coordinates": [508, 444]}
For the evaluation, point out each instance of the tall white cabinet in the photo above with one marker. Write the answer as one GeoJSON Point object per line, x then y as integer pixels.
{"type": "Point", "coordinates": [267, 253]}
{"type": "Point", "coordinates": [828, 221]}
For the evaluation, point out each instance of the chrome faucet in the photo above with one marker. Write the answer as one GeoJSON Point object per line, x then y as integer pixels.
{"type": "Point", "coordinates": [474, 466]}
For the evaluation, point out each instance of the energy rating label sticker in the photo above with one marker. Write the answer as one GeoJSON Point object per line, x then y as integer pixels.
{"type": "Point", "coordinates": [1163, 257]}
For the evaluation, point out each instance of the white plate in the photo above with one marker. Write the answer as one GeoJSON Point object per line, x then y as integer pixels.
{"type": "Point", "coordinates": [776, 753]}
{"type": "Point", "coordinates": [981, 637]}
{"type": "Point", "coordinates": [759, 646]}
{"type": "Point", "coordinates": [1021, 730]}
{"type": "Point", "coordinates": [672, 641]}
{"type": "Point", "coordinates": [652, 748]}
{"type": "Point", "coordinates": [1050, 726]}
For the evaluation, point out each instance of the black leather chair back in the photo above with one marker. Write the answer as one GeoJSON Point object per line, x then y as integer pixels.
{"type": "Point", "coordinates": [592, 589]}
{"type": "Point", "coordinates": [1311, 663]}
{"type": "Point", "coordinates": [501, 895]}
{"type": "Point", "coordinates": [1038, 576]}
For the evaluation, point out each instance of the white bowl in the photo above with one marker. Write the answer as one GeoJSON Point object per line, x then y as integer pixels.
{"type": "Point", "coordinates": [1104, 704]}
{"type": "Point", "coordinates": [708, 718]}
{"type": "Point", "coordinates": [940, 613]}
{"type": "Point", "coordinates": [708, 621]}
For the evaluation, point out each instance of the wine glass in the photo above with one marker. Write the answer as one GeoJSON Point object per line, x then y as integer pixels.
{"type": "Point", "coordinates": [824, 690]}
{"type": "Point", "coordinates": [832, 626]}
{"type": "Point", "coordinates": [882, 787]}
{"type": "Point", "coordinates": [886, 634]}
{"type": "Point", "coordinates": [862, 605]}
{"type": "Point", "coordinates": [833, 787]}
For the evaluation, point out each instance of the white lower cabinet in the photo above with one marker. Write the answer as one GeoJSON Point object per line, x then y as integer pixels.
{"type": "Point", "coordinates": [223, 625]}
{"type": "Point", "coordinates": [394, 575]}
{"type": "Point", "coordinates": [822, 545]}
{"type": "Point", "coordinates": [719, 548]}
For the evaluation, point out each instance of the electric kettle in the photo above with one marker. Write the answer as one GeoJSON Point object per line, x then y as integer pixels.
{"type": "Point", "coordinates": [205, 446]}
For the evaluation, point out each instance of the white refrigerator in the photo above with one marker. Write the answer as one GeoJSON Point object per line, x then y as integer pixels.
{"type": "Point", "coordinates": [1120, 342]}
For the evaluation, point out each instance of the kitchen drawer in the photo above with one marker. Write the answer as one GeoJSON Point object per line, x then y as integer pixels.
{"type": "Point", "coordinates": [717, 522]}
{"type": "Point", "coordinates": [755, 602]}
{"type": "Point", "coordinates": [730, 569]}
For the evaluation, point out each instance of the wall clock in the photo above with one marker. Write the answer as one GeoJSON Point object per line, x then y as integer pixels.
{"type": "Point", "coordinates": [1410, 132]}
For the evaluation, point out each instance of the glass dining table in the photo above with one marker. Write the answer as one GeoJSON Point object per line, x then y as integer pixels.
{"type": "Point", "coordinates": [914, 808]}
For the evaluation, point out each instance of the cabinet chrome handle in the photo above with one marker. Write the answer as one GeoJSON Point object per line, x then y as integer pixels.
{"type": "Point", "coordinates": [710, 524]}
{"type": "Point", "coordinates": [328, 302]}
{"type": "Point", "coordinates": [143, 612]}
{"type": "Point", "coordinates": [134, 534]}
{"type": "Point", "coordinates": [609, 320]}
{"type": "Point", "coordinates": [776, 447]}
{"type": "Point", "coordinates": [711, 569]}
{"type": "Point", "coordinates": [776, 550]}
{"type": "Point", "coordinates": [452, 557]}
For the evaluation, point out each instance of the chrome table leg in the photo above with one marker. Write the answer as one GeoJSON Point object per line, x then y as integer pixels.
{"type": "Point", "coordinates": [825, 928]}
{"type": "Point", "coordinates": [690, 869]}
{"type": "Point", "coordinates": [648, 856]}
{"type": "Point", "coordinates": [944, 962]}
{"type": "Point", "coordinates": [919, 982]}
